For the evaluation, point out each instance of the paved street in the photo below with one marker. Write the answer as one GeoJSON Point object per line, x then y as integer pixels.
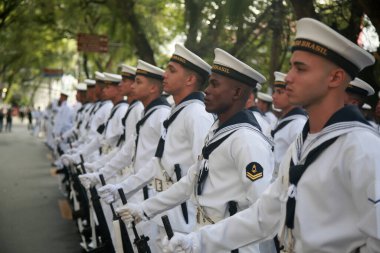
{"type": "Point", "coordinates": [30, 217]}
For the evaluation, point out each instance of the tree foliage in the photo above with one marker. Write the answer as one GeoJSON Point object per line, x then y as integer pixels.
{"type": "Point", "coordinates": [36, 34]}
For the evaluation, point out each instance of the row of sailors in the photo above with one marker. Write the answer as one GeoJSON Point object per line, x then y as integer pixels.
{"type": "Point", "coordinates": [199, 171]}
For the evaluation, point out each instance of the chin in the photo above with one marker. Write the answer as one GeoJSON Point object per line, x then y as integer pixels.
{"type": "Point", "coordinates": [209, 109]}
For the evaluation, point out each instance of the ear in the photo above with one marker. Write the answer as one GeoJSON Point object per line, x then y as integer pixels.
{"type": "Point", "coordinates": [152, 87]}
{"type": "Point", "coordinates": [337, 77]}
{"type": "Point", "coordinates": [190, 79]}
{"type": "Point", "coordinates": [237, 93]}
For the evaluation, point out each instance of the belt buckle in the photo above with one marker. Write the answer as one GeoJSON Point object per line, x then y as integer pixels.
{"type": "Point", "coordinates": [158, 185]}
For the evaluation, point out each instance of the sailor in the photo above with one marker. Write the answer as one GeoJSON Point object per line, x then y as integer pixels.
{"type": "Point", "coordinates": [81, 98]}
{"type": "Point", "coordinates": [64, 118]}
{"type": "Point", "coordinates": [109, 132]}
{"type": "Point", "coordinates": [129, 121]}
{"type": "Point", "coordinates": [85, 115]}
{"type": "Point", "coordinates": [97, 115]}
{"type": "Point", "coordinates": [357, 92]}
{"type": "Point", "coordinates": [252, 106]}
{"type": "Point", "coordinates": [327, 191]}
{"type": "Point", "coordinates": [147, 88]}
{"type": "Point", "coordinates": [290, 123]}
{"type": "Point", "coordinates": [181, 141]}
{"type": "Point", "coordinates": [236, 162]}
{"type": "Point", "coordinates": [264, 103]}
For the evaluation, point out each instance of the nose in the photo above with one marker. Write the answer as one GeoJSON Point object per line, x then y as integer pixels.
{"type": "Point", "coordinates": [165, 74]}
{"type": "Point", "coordinates": [207, 90]}
{"type": "Point", "coordinates": [288, 77]}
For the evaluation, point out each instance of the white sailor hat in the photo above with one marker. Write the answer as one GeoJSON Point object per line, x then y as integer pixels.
{"type": "Point", "coordinates": [128, 72]}
{"type": "Point", "coordinates": [81, 87]}
{"type": "Point", "coordinates": [264, 97]}
{"type": "Point", "coordinates": [360, 87]}
{"type": "Point", "coordinates": [188, 59]}
{"type": "Point", "coordinates": [227, 65]}
{"type": "Point", "coordinates": [258, 87]}
{"type": "Point", "coordinates": [111, 79]}
{"type": "Point", "coordinates": [279, 79]}
{"type": "Point", "coordinates": [90, 82]}
{"type": "Point", "coordinates": [65, 92]}
{"type": "Point", "coordinates": [99, 77]}
{"type": "Point", "coordinates": [149, 70]}
{"type": "Point", "coordinates": [366, 107]}
{"type": "Point", "coordinates": [317, 38]}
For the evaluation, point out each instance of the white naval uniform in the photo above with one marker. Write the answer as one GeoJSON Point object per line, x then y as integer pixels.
{"type": "Point", "coordinates": [63, 119]}
{"type": "Point", "coordinates": [99, 118]}
{"type": "Point", "coordinates": [286, 131]}
{"type": "Point", "coordinates": [337, 207]}
{"type": "Point", "coordinates": [80, 131]}
{"type": "Point", "coordinates": [135, 114]}
{"type": "Point", "coordinates": [74, 130]}
{"type": "Point", "coordinates": [124, 154]}
{"type": "Point", "coordinates": [148, 137]}
{"type": "Point", "coordinates": [230, 176]}
{"type": "Point", "coordinates": [263, 123]}
{"type": "Point", "coordinates": [374, 125]}
{"type": "Point", "coordinates": [98, 115]}
{"type": "Point", "coordinates": [184, 141]}
{"type": "Point", "coordinates": [271, 119]}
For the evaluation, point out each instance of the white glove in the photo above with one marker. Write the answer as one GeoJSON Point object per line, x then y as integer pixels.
{"type": "Point", "coordinates": [90, 167]}
{"type": "Point", "coordinates": [65, 160]}
{"type": "Point", "coordinates": [74, 158]}
{"type": "Point", "coordinates": [89, 179]}
{"type": "Point", "coordinates": [181, 243]}
{"type": "Point", "coordinates": [131, 212]}
{"type": "Point", "coordinates": [109, 193]}
{"type": "Point", "coordinates": [58, 139]}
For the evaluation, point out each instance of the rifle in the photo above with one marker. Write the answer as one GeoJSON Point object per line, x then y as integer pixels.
{"type": "Point", "coordinates": [141, 242]}
{"type": "Point", "coordinates": [125, 241]}
{"type": "Point", "coordinates": [177, 170]}
{"type": "Point", "coordinates": [104, 231]}
{"type": "Point", "coordinates": [167, 226]}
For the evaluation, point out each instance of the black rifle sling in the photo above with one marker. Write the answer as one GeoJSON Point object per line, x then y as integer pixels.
{"type": "Point", "coordinates": [206, 151]}
{"type": "Point", "coordinates": [122, 137]}
{"type": "Point", "coordinates": [295, 174]}
{"type": "Point", "coordinates": [167, 123]}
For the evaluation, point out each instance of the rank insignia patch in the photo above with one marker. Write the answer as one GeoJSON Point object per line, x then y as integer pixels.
{"type": "Point", "coordinates": [254, 171]}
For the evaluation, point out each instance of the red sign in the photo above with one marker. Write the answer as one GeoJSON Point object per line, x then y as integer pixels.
{"type": "Point", "coordinates": [52, 72]}
{"type": "Point", "coordinates": [92, 43]}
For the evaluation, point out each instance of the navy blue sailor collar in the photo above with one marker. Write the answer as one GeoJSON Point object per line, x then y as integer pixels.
{"type": "Point", "coordinates": [345, 114]}
{"type": "Point", "coordinates": [295, 111]}
{"type": "Point", "coordinates": [194, 95]}
{"type": "Point", "coordinates": [121, 102]}
{"type": "Point", "coordinates": [158, 101]}
{"type": "Point", "coordinates": [255, 109]}
{"type": "Point", "coordinates": [244, 116]}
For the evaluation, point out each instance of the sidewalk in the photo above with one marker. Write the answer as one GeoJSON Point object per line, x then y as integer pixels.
{"type": "Point", "coordinates": [30, 217]}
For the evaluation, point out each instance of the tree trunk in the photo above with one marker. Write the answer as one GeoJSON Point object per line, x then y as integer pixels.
{"type": "Point", "coordinates": [304, 8]}
{"type": "Point", "coordinates": [144, 50]}
{"type": "Point", "coordinates": [276, 25]}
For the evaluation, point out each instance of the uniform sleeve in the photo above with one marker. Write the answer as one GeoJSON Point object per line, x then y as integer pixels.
{"type": "Point", "coordinates": [257, 223]}
{"type": "Point", "coordinates": [90, 147]}
{"type": "Point", "coordinates": [254, 159]}
{"type": "Point", "coordinates": [175, 195]}
{"type": "Point", "coordinates": [364, 173]}
{"type": "Point", "coordinates": [122, 159]}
